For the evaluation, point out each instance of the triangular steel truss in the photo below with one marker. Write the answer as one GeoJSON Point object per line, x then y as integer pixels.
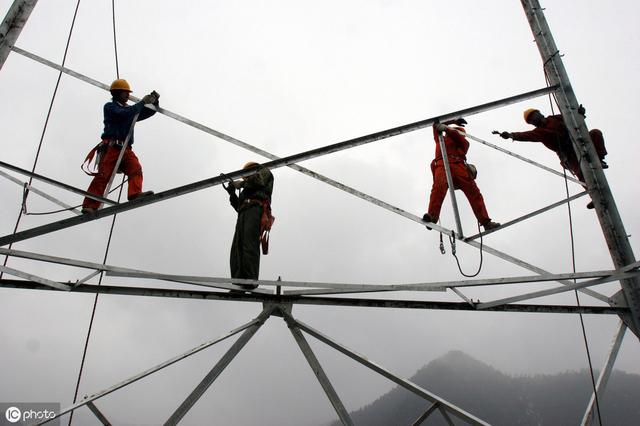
{"type": "Point", "coordinates": [625, 304]}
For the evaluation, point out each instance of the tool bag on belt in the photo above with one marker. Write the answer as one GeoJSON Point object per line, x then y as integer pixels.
{"type": "Point", "coordinates": [473, 171]}
{"type": "Point", "coordinates": [266, 222]}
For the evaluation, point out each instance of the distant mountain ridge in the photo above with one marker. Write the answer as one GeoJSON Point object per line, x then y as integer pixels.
{"type": "Point", "coordinates": [500, 399]}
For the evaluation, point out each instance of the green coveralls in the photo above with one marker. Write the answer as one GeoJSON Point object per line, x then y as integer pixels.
{"type": "Point", "coordinates": [245, 249]}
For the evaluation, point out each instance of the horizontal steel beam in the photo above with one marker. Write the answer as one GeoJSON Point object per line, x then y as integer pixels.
{"type": "Point", "coordinates": [326, 301]}
{"type": "Point", "coordinates": [337, 287]}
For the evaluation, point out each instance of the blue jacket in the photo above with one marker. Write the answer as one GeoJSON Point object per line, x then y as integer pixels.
{"type": "Point", "coordinates": [118, 119]}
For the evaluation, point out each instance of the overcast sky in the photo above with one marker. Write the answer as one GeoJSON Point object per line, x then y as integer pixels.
{"type": "Point", "coordinates": [289, 76]}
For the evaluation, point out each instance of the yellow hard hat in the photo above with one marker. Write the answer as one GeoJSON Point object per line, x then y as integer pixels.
{"type": "Point", "coordinates": [120, 84]}
{"type": "Point", "coordinates": [528, 112]}
{"type": "Point", "coordinates": [249, 164]}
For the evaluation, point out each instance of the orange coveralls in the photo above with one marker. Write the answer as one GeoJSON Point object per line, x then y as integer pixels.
{"type": "Point", "coordinates": [457, 147]}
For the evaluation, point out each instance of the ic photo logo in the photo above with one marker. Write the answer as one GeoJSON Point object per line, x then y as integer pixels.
{"type": "Point", "coordinates": [13, 414]}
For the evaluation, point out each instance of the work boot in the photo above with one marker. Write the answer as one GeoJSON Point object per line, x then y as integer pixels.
{"type": "Point", "coordinates": [604, 164]}
{"type": "Point", "coordinates": [590, 205]}
{"type": "Point", "coordinates": [489, 225]}
{"type": "Point", "coordinates": [88, 210]}
{"type": "Point", "coordinates": [248, 287]}
{"type": "Point", "coordinates": [427, 218]}
{"type": "Point", "coordinates": [140, 195]}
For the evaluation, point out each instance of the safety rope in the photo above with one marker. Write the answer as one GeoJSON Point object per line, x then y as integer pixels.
{"type": "Point", "coordinates": [93, 311]}
{"type": "Point", "coordinates": [584, 332]}
{"type": "Point", "coordinates": [452, 241]}
{"type": "Point", "coordinates": [115, 42]}
{"type": "Point", "coordinates": [46, 123]}
{"type": "Point", "coordinates": [106, 252]}
{"type": "Point", "coordinates": [25, 191]}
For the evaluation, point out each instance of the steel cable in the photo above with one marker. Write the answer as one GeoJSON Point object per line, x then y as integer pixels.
{"type": "Point", "coordinates": [44, 128]}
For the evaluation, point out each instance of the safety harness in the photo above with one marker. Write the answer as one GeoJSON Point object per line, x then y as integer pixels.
{"type": "Point", "coordinates": [97, 152]}
{"type": "Point", "coordinates": [266, 221]}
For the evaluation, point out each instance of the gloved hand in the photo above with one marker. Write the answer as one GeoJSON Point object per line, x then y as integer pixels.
{"type": "Point", "coordinates": [440, 127]}
{"type": "Point", "coordinates": [582, 111]}
{"type": "Point", "coordinates": [229, 188]}
{"type": "Point", "coordinates": [157, 95]}
{"type": "Point", "coordinates": [149, 99]}
{"type": "Point", "coordinates": [506, 135]}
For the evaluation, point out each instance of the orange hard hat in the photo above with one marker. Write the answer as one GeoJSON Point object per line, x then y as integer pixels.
{"type": "Point", "coordinates": [120, 84]}
{"type": "Point", "coordinates": [528, 112]}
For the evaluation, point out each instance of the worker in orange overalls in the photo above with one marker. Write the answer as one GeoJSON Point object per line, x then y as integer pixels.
{"type": "Point", "coordinates": [118, 120]}
{"type": "Point", "coordinates": [457, 146]}
{"type": "Point", "coordinates": [553, 133]}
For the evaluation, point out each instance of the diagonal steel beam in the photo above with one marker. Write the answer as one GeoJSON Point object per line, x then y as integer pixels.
{"type": "Point", "coordinates": [622, 273]}
{"type": "Point", "coordinates": [410, 386]}
{"type": "Point", "coordinates": [217, 369]}
{"type": "Point", "coordinates": [426, 414]}
{"type": "Point", "coordinates": [603, 379]}
{"type": "Point", "coordinates": [34, 278]}
{"type": "Point", "coordinates": [526, 160]}
{"type": "Point", "coordinates": [445, 415]}
{"type": "Point", "coordinates": [43, 194]}
{"type": "Point", "coordinates": [529, 215]}
{"type": "Point", "coordinates": [152, 370]}
{"type": "Point", "coordinates": [56, 183]}
{"type": "Point", "coordinates": [331, 393]}
{"type": "Point", "coordinates": [101, 417]}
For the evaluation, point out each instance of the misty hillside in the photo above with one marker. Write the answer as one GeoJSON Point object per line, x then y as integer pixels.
{"type": "Point", "coordinates": [500, 399]}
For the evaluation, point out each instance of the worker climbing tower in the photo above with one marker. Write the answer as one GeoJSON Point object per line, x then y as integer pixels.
{"type": "Point", "coordinates": [278, 298]}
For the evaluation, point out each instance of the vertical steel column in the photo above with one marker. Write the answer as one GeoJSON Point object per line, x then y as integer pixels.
{"type": "Point", "coordinates": [12, 26]}
{"type": "Point", "coordinates": [452, 192]}
{"type": "Point", "coordinates": [218, 369]}
{"type": "Point", "coordinates": [604, 375]}
{"type": "Point", "coordinates": [343, 414]}
{"type": "Point", "coordinates": [605, 206]}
